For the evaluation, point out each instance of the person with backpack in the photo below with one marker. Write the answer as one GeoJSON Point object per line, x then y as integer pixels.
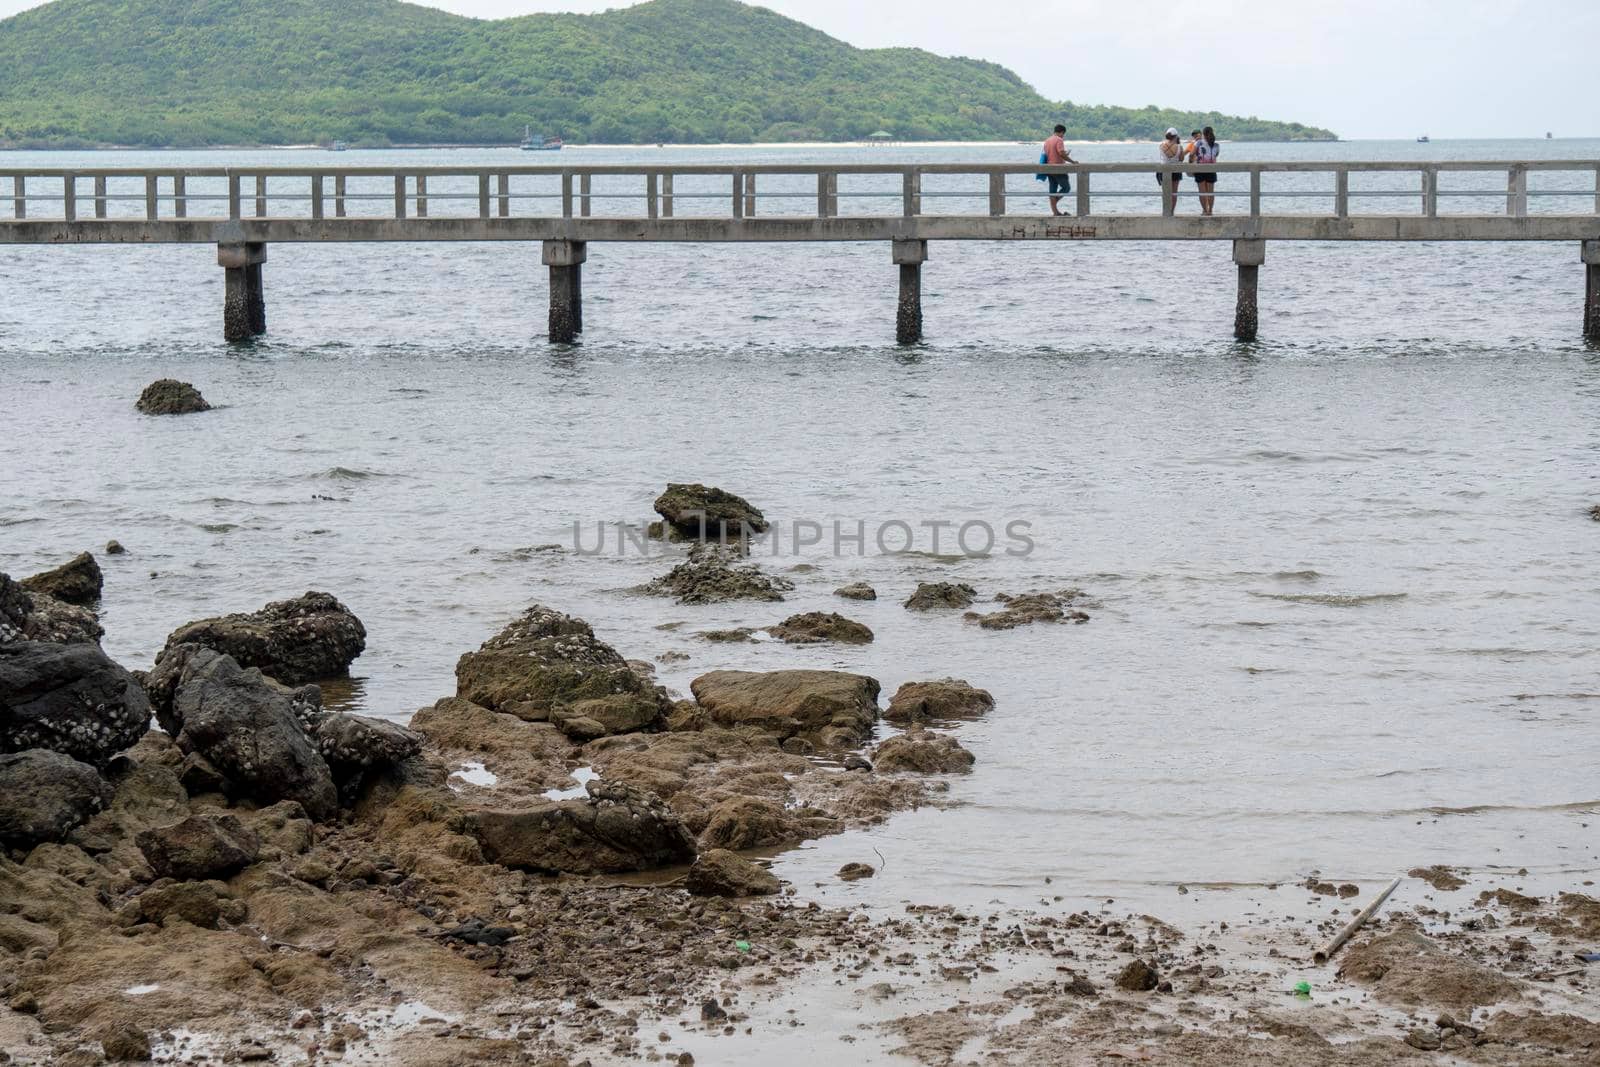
{"type": "Point", "coordinates": [1055, 154]}
{"type": "Point", "coordinates": [1206, 151]}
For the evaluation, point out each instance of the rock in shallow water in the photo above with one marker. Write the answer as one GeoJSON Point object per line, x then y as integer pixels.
{"type": "Point", "coordinates": [714, 575]}
{"type": "Point", "coordinates": [68, 698]}
{"type": "Point", "coordinates": [856, 591]}
{"type": "Point", "coordinates": [829, 708]}
{"type": "Point", "coordinates": [932, 596]}
{"type": "Point", "coordinates": [547, 666]}
{"type": "Point", "coordinates": [295, 641]}
{"type": "Point", "coordinates": [703, 512]}
{"type": "Point", "coordinates": [78, 581]}
{"type": "Point", "coordinates": [719, 873]}
{"type": "Point", "coordinates": [816, 627]}
{"type": "Point", "coordinates": [45, 795]}
{"type": "Point", "coordinates": [923, 752]}
{"type": "Point", "coordinates": [168, 396]}
{"type": "Point", "coordinates": [947, 698]}
{"type": "Point", "coordinates": [1026, 608]}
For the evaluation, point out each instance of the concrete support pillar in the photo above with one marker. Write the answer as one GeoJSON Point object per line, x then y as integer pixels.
{"type": "Point", "coordinates": [1591, 290]}
{"type": "Point", "coordinates": [909, 256]}
{"type": "Point", "coordinates": [1249, 254]}
{"type": "Point", "coordinates": [565, 260]}
{"type": "Point", "coordinates": [244, 300]}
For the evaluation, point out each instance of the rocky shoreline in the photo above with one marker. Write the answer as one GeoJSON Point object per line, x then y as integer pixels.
{"type": "Point", "coordinates": [562, 862]}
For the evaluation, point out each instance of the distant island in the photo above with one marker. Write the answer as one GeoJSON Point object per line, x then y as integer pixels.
{"type": "Point", "coordinates": [372, 73]}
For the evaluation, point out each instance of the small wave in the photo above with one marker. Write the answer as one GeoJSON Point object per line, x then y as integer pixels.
{"type": "Point", "coordinates": [1555, 696]}
{"type": "Point", "coordinates": [936, 557]}
{"type": "Point", "coordinates": [1296, 576]}
{"type": "Point", "coordinates": [219, 527]}
{"type": "Point", "coordinates": [1406, 771]}
{"type": "Point", "coordinates": [25, 520]}
{"type": "Point", "coordinates": [1271, 455]}
{"type": "Point", "coordinates": [347, 474]}
{"type": "Point", "coordinates": [1333, 600]}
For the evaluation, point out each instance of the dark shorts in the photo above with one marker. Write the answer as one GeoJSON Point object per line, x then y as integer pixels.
{"type": "Point", "coordinates": [1060, 184]}
{"type": "Point", "coordinates": [1210, 176]}
{"type": "Point", "coordinates": [1161, 179]}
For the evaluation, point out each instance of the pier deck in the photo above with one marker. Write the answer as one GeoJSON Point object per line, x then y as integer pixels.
{"type": "Point", "coordinates": [242, 210]}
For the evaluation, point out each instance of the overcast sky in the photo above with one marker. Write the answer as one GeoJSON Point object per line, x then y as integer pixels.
{"type": "Point", "coordinates": [1364, 68]}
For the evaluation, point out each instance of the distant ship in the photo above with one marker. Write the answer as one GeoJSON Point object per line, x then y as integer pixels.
{"type": "Point", "coordinates": [530, 143]}
{"type": "Point", "coordinates": [1423, 139]}
{"type": "Point", "coordinates": [1549, 136]}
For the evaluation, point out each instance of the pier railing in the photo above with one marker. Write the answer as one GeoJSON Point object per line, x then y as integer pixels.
{"type": "Point", "coordinates": [1344, 190]}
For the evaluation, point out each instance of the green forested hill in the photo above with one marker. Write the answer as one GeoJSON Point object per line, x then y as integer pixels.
{"type": "Point", "coordinates": [202, 72]}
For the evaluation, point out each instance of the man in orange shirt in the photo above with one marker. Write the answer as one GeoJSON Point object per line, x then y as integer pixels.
{"type": "Point", "coordinates": [1055, 155]}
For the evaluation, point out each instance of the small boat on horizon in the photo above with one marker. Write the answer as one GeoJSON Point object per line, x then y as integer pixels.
{"type": "Point", "coordinates": [530, 143]}
{"type": "Point", "coordinates": [1423, 139]}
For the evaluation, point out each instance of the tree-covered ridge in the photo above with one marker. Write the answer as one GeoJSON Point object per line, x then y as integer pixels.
{"type": "Point", "coordinates": [204, 72]}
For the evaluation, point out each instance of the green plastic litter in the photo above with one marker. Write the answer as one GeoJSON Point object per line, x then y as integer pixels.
{"type": "Point", "coordinates": [744, 946]}
{"type": "Point", "coordinates": [1302, 989]}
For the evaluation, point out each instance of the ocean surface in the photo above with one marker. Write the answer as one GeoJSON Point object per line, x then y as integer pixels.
{"type": "Point", "coordinates": [1345, 604]}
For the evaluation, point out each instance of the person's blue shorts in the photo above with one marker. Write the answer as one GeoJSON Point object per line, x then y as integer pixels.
{"type": "Point", "coordinates": [1060, 184]}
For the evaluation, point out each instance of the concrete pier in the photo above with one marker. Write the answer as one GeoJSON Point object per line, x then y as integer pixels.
{"type": "Point", "coordinates": [1591, 290]}
{"type": "Point", "coordinates": [1249, 254]}
{"type": "Point", "coordinates": [909, 256]}
{"type": "Point", "coordinates": [565, 260]}
{"type": "Point", "coordinates": [906, 205]}
{"type": "Point", "coordinates": [244, 300]}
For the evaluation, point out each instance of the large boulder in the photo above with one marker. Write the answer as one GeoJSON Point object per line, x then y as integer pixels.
{"type": "Point", "coordinates": [714, 575]}
{"type": "Point", "coordinates": [295, 641]}
{"type": "Point", "coordinates": [245, 727]}
{"type": "Point", "coordinates": [616, 828]}
{"type": "Point", "coordinates": [199, 847]}
{"type": "Point", "coordinates": [26, 616]}
{"type": "Point", "coordinates": [719, 873]}
{"type": "Point", "coordinates": [78, 581]}
{"type": "Point", "coordinates": [947, 698]}
{"type": "Point", "coordinates": [356, 746]}
{"type": "Point", "coordinates": [922, 752]}
{"type": "Point", "coordinates": [15, 607]}
{"type": "Point", "coordinates": [550, 667]}
{"type": "Point", "coordinates": [45, 795]}
{"type": "Point", "coordinates": [69, 698]}
{"type": "Point", "coordinates": [818, 627]}
{"type": "Point", "coordinates": [824, 707]}
{"type": "Point", "coordinates": [168, 396]}
{"type": "Point", "coordinates": [703, 512]}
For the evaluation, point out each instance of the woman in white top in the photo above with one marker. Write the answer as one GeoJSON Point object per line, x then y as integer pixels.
{"type": "Point", "coordinates": [1206, 151]}
{"type": "Point", "coordinates": [1170, 151]}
